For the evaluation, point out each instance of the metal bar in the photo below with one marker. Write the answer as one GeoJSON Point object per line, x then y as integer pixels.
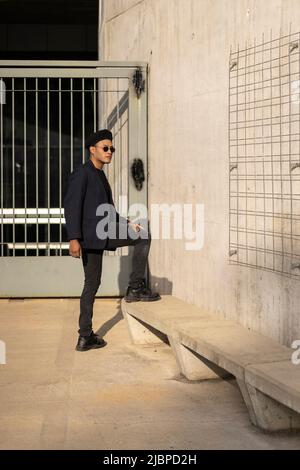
{"type": "Point", "coordinates": [72, 63]}
{"type": "Point", "coordinates": [113, 171]}
{"type": "Point", "coordinates": [83, 123]}
{"type": "Point", "coordinates": [267, 213]}
{"type": "Point", "coordinates": [238, 201]}
{"type": "Point", "coordinates": [37, 159]}
{"type": "Point", "coordinates": [48, 160]}
{"type": "Point", "coordinates": [264, 251]}
{"type": "Point", "coordinates": [1, 169]}
{"type": "Point", "coordinates": [245, 149]}
{"type": "Point", "coordinates": [119, 143]}
{"type": "Point", "coordinates": [272, 41]}
{"type": "Point", "coordinates": [118, 175]}
{"type": "Point", "coordinates": [267, 178]}
{"type": "Point", "coordinates": [290, 160]}
{"type": "Point", "coordinates": [229, 176]}
{"type": "Point", "coordinates": [259, 125]}
{"type": "Point", "coordinates": [269, 232]}
{"type": "Point", "coordinates": [286, 274]}
{"type": "Point", "coordinates": [107, 169]}
{"type": "Point", "coordinates": [279, 136]}
{"type": "Point", "coordinates": [265, 106]}
{"type": "Point", "coordinates": [54, 90]}
{"type": "Point", "coordinates": [71, 124]}
{"type": "Point", "coordinates": [41, 246]}
{"type": "Point", "coordinates": [32, 220]}
{"type": "Point", "coordinates": [33, 211]}
{"type": "Point", "coordinates": [298, 105]}
{"type": "Point", "coordinates": [263, 168]}
{"type": "Point", "coordinates": [94, 105]}
{"type": "Point", "coordinates": [280, 132]}
{"type": "Point", "coordinates": [266, 119]}
{"type": "Point", "coordinates": [299, 94]}
{"type": "Point", "coordinates": [258, 66]}
{"type": "Point", "coordinates": [255, 182]}
{"type": "Point", "coordinates": [66, 73]}
{"type": "Point", "coordinates": [249, 157]}
{"type": "Point", "coordinates": [25, 164]}
{"type": "Point", "coordinates": [257, 106]}
{"type": "Point", "coordinates": [13, 162]}
{"type": "Point", "coordinates": [59, 162]}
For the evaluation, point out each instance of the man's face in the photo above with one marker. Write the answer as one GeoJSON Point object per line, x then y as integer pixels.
{"type": "Point", "coordinates": [101, 151]}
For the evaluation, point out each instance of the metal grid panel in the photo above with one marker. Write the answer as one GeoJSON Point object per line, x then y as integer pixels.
{"type": "Point", "coordinates": [264, 162]}
{"type": "Point", "coordinates": [43, 125]}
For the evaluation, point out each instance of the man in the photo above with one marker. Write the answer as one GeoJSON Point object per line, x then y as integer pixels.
{"type": "Point", "coordinates": [88, 192]}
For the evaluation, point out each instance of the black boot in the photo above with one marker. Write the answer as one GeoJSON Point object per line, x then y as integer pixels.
{"type": "Point", "coordinates": [90, 342]}
{"type": "Point", "coordinates": [141, 293]}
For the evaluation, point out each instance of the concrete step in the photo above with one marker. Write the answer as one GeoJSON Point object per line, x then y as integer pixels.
{"type": "Point", "coordinates": [207, 346]}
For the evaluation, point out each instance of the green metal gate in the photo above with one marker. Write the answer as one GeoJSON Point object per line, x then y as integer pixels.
{"type": "Point", "coordinates": [46, 111]}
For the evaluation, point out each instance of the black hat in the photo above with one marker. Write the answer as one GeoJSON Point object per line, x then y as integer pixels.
{"type": "Point", "coordinates": [92, 139]}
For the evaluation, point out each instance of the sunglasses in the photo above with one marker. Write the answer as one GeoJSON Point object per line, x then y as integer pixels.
{"type": "Point", "coordinates": [106, 148]}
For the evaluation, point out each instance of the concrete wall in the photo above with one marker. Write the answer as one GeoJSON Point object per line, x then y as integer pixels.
{"type": "Point", "coordinates": [187, 45]}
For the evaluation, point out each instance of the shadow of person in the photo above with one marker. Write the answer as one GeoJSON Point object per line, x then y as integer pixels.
{"type": "Point", "coordinates": [162, 285]}
{"type": "Point", "coordinates": [123, 279]}
{"type": "Point", "coordinates": [109, 324]}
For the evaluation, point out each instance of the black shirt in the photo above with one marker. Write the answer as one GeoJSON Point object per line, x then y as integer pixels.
{"type": "Point", "coordinates": [104, 182]}
{"type": "Point", "coordinates": [107, 188]}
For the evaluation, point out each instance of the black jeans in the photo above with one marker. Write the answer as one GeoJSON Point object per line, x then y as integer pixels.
{"type": "Point", "coordinates": [92, 265]}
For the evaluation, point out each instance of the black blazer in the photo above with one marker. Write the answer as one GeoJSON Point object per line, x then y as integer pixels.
{"type": "Point", "coordinates": [84, 194]}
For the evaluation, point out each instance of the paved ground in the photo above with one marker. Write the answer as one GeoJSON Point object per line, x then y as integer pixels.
{"type": "Point", "coordinates": [119, 397]}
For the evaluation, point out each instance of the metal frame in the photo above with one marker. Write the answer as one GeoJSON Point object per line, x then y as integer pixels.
{"type": "Point", "coordinates": [264, 149]}
{"type": "Point", "coordinates": [62, 275]}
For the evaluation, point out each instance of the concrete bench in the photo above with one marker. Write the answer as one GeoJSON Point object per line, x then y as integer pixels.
{"type": "Point", "coordinates": [207, 346]}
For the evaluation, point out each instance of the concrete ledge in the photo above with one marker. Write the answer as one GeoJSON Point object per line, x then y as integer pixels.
{"type": "Point", "coordinates": [193, 366]}
{"type": "Point", "coordinates": [141, 332]}
{"type": "Point", "coordinates": [266, 413]}
{"type": "Point", "coordinates": [279, 380]}
{"type": "Point", "coordinates": [206, 346]}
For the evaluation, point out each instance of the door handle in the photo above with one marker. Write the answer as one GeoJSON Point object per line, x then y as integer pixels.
{"type": "Point", "coordinates": [137, 173]}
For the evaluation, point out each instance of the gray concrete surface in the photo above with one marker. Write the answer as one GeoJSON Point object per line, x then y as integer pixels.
{"type": "Point", "coordinates": [120, 397]}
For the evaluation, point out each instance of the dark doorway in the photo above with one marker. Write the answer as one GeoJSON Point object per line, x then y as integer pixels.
{"type": "Point", "coordinates": [43, 120]}
{"type": "Point", "coordinates": [49, 30]}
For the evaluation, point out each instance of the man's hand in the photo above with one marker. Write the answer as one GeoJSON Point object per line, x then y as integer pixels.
{"type": "Point", "coordinates": [75, 248]}
{"type": "Point", "coordinates": [136, 227]}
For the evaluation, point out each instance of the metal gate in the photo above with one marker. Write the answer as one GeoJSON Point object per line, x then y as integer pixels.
{"type": "Point", "coordinates": [47, 110]}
